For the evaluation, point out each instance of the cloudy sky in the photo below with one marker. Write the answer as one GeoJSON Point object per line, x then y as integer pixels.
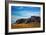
{"type": "Point", "coordinates": [18, 12]}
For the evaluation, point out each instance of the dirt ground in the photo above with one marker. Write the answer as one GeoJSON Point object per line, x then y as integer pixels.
{"type": "Point", "coordinates": [23, 25]}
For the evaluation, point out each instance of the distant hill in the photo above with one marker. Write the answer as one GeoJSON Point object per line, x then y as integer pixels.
{"type": "Point", "coordinates": [29, 20]}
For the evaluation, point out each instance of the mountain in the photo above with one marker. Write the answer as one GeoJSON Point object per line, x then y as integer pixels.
{"type": "Point", "coordinates": [29, 20]}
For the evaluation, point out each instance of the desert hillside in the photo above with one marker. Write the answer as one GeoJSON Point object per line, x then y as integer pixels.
{"type": "Point", "coordinates": [33, 22]}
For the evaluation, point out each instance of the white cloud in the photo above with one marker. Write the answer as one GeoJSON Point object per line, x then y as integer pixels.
{"type": "Point", "coordinates": [29, 14]}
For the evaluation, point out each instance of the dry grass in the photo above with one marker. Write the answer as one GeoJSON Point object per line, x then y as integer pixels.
{"type": "Point", "coordinates": [28, 25]}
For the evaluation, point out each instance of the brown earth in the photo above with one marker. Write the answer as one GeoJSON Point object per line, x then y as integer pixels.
{"type": "Point", "coordinates": [23, 25]}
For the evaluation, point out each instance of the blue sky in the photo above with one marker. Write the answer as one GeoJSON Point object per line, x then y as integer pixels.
{"type": "Point", "coordinates": [19, 12]}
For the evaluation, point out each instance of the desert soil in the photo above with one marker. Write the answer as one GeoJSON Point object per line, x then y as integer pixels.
{"type": "Point", "coordinates": [28, 25]}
